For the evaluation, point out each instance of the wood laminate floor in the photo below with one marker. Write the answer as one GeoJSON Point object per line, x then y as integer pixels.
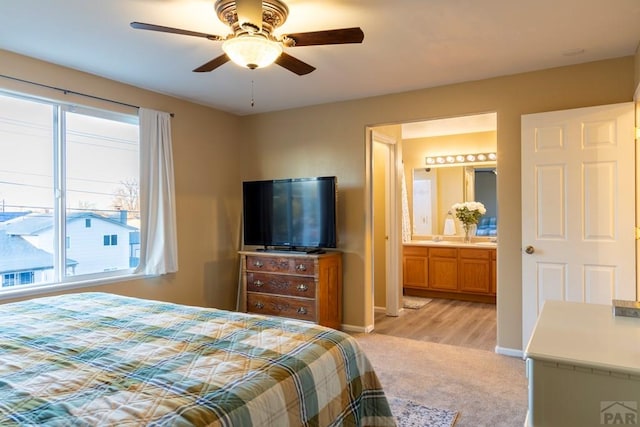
{"type": "Point", "coordinates": [460, 323]}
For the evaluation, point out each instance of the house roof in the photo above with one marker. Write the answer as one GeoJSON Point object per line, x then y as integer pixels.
{"type": "Point", "coordinates": [16, 254]}
{"type": "Point", "coordinates": [36, 223]}
{"type": "Point", "coordinates": [6, 216]}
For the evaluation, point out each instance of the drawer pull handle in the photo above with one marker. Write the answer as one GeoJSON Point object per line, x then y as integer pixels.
{"type": "Point", "coordinates": [258, 264]}
{"type": "Point", "coordinates": [302, 287]}
{"type": "Point", "coordinates": [302, 310]}
{"type": "Point", "coordinates": [258, 283]}
{"type": "Point", "coordinates": [301, 267]}
{"type": "Point", "coordinates": [259, 305]}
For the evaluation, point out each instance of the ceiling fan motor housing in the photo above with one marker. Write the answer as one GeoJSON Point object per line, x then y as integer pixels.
{"type": "Point", "coordinates": [274, 14]}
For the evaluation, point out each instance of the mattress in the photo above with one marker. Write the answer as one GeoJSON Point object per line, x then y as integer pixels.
{"type": "Point", "coordinates": [103, 359]}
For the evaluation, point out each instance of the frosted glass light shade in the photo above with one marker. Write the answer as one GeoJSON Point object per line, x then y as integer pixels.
{"type": "Point", "coordinates": [460, 159]}
{"type": "Point", "coordinates": [252, 51]}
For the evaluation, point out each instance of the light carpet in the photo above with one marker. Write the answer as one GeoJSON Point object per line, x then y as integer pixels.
{"type": "Point", "coordinates": [485, 388]}
{"type": "Point", "coordinates": [414, 303]}
{"type": "Point", "coordinates": [411, 414]}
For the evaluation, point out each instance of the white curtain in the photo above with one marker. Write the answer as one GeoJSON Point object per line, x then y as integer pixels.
{"type": "Point", "coordinates": [406, 220]}
{"type": "Point", "coordinates": [159, 240]}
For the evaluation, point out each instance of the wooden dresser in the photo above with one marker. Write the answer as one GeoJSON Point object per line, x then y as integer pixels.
{"type": "Point", "coordinates": [295, 285]}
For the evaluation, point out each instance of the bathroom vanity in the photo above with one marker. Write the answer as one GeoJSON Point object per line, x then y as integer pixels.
{"type": "Point", "coordinates": [450, 269]}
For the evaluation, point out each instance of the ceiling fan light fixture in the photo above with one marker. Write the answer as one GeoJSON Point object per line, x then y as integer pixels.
{"type": "Point", "coordinates": [252, 50]}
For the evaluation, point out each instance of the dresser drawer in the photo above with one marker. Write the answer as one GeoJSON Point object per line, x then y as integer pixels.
{"type": "Point", "coordinates": [297, 308]}
{"type": "Point", "coordinates": [281, 265]}
{"type": "Point", "coordinates": [297, 286]}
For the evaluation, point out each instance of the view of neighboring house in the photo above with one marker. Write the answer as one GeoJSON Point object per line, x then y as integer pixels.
{"type": "Point", "coordinates": [94, 244]}
{"type": "Point", "coordinates": [21, 262]}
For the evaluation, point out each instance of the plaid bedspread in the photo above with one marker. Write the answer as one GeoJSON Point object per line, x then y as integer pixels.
{"type": "Point", "coordinates": [99, 359]}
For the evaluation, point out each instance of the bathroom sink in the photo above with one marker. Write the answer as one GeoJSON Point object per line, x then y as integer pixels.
{"type": "Point", "coordinates": [451, 243]}
{"type": "Point", "coordinates": [434, 242]}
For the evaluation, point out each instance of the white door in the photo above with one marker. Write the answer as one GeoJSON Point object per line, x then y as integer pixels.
{"type": "Point", "coordinates": [578, 208]}
{"type": "Point", "coordinates": [422, 184]}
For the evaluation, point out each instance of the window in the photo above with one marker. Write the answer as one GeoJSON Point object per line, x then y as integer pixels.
{"type": "Point", "coordinates": [8, 280]}
{"type": "Point", "coordinates": [68, 173]}
{"type": "Point", "coordinates": [12, 279]}
{"type": "Point", "coordinates": [26, 277]}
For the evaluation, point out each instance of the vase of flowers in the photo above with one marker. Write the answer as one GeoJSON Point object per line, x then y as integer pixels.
{"type": "Point", "coordinates": [469, 213]}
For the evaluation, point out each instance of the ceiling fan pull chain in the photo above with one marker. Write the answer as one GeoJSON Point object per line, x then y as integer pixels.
{"type": "Point", "coordinates": [252, 94]}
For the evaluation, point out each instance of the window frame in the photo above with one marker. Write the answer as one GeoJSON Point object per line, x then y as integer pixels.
{"type": "Point", "coordinates": [61, 279]}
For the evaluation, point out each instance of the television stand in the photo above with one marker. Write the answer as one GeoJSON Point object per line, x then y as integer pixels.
{"type": "Point", "coordinates": [295, 285]}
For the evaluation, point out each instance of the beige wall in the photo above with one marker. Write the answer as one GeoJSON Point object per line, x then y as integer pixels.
{"type": "Point", "coordinates": [210, 147]}
{"type": "Point", "coordinates": [207, 182]}
{"type": "Point", "coordinates": [637, 67]}
{"type": "Point", "coordinates": [330, 139]}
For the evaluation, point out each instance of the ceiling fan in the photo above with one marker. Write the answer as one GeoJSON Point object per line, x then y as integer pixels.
{"type": "Point", "coordinates": [252, 43]}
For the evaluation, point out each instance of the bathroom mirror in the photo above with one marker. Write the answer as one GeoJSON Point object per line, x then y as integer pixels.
{"type": "Point", "coordinates": [443, 161]}
{"type": "Point", "coordinates": [436, 189]}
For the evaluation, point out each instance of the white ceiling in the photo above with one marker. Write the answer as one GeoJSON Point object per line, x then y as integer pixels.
{"type": "Point", "coordinates": [408, 44]}
{"type": "Point", "coordinates": [485, 122]}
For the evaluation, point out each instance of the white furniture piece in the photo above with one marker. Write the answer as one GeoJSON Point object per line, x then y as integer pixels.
{"type": "Point", "coordinates": [583, 366]}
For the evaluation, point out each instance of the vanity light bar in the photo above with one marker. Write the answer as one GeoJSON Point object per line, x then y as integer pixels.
{"type": "Point", "coordinates": [460, 158]}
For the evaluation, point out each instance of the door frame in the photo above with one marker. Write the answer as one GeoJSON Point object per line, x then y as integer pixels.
{"type": "Point", "coordinates": [393, 258]}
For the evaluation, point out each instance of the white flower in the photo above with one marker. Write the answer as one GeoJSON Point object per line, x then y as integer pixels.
{"type": "Point", "coordinates": [469, 212]}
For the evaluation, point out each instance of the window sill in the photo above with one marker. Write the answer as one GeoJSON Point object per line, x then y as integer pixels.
{"type": "Point", "coordinates": [34, 290]}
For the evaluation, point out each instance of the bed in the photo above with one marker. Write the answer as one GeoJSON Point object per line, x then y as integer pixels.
{"type": "Point", "coordinates": [103, 359]}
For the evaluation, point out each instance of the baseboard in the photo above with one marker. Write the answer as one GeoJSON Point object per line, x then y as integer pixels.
{"type": "Point", "coordinates": [359, 329]}
{"type": "Point", "coordinates": [509, 352]}
{"type": "Point", "coordinates": [384, 310]}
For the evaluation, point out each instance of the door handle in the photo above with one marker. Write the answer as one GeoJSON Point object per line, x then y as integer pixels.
{"type": "Point", "coordinates": [529, 249]}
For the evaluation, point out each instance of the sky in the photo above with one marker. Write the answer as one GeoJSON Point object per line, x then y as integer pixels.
{"type": "Point", "coordinates": [100, 155]}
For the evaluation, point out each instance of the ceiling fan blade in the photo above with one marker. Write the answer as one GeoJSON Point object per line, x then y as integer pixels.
{"type": "Point", "coordinates": [213, 64]}
{"type": "Point", "coordinates": [160, 28]}
{"type": "Point", "coordinates": [294, 65]}
{"type": "Point", "coordinates": [314, 38]}
{"type": "Point", "coordinates": [249, 15]}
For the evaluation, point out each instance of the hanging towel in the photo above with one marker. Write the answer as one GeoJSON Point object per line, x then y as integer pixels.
{"type": "Point", "coordinates": [449, 227]}
{"type": "Point", "coordinates": [406, 221]}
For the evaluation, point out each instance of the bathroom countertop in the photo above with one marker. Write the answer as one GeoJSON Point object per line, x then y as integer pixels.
{"type": "Point", "coordinates": [452, 243]}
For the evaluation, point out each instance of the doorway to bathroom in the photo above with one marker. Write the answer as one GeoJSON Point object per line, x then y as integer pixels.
{"type": "Point", "coordinates": [436, 170]}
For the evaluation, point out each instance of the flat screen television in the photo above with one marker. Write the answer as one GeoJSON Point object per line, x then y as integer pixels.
{"type": "Point", "coordinates": [296, 214]}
